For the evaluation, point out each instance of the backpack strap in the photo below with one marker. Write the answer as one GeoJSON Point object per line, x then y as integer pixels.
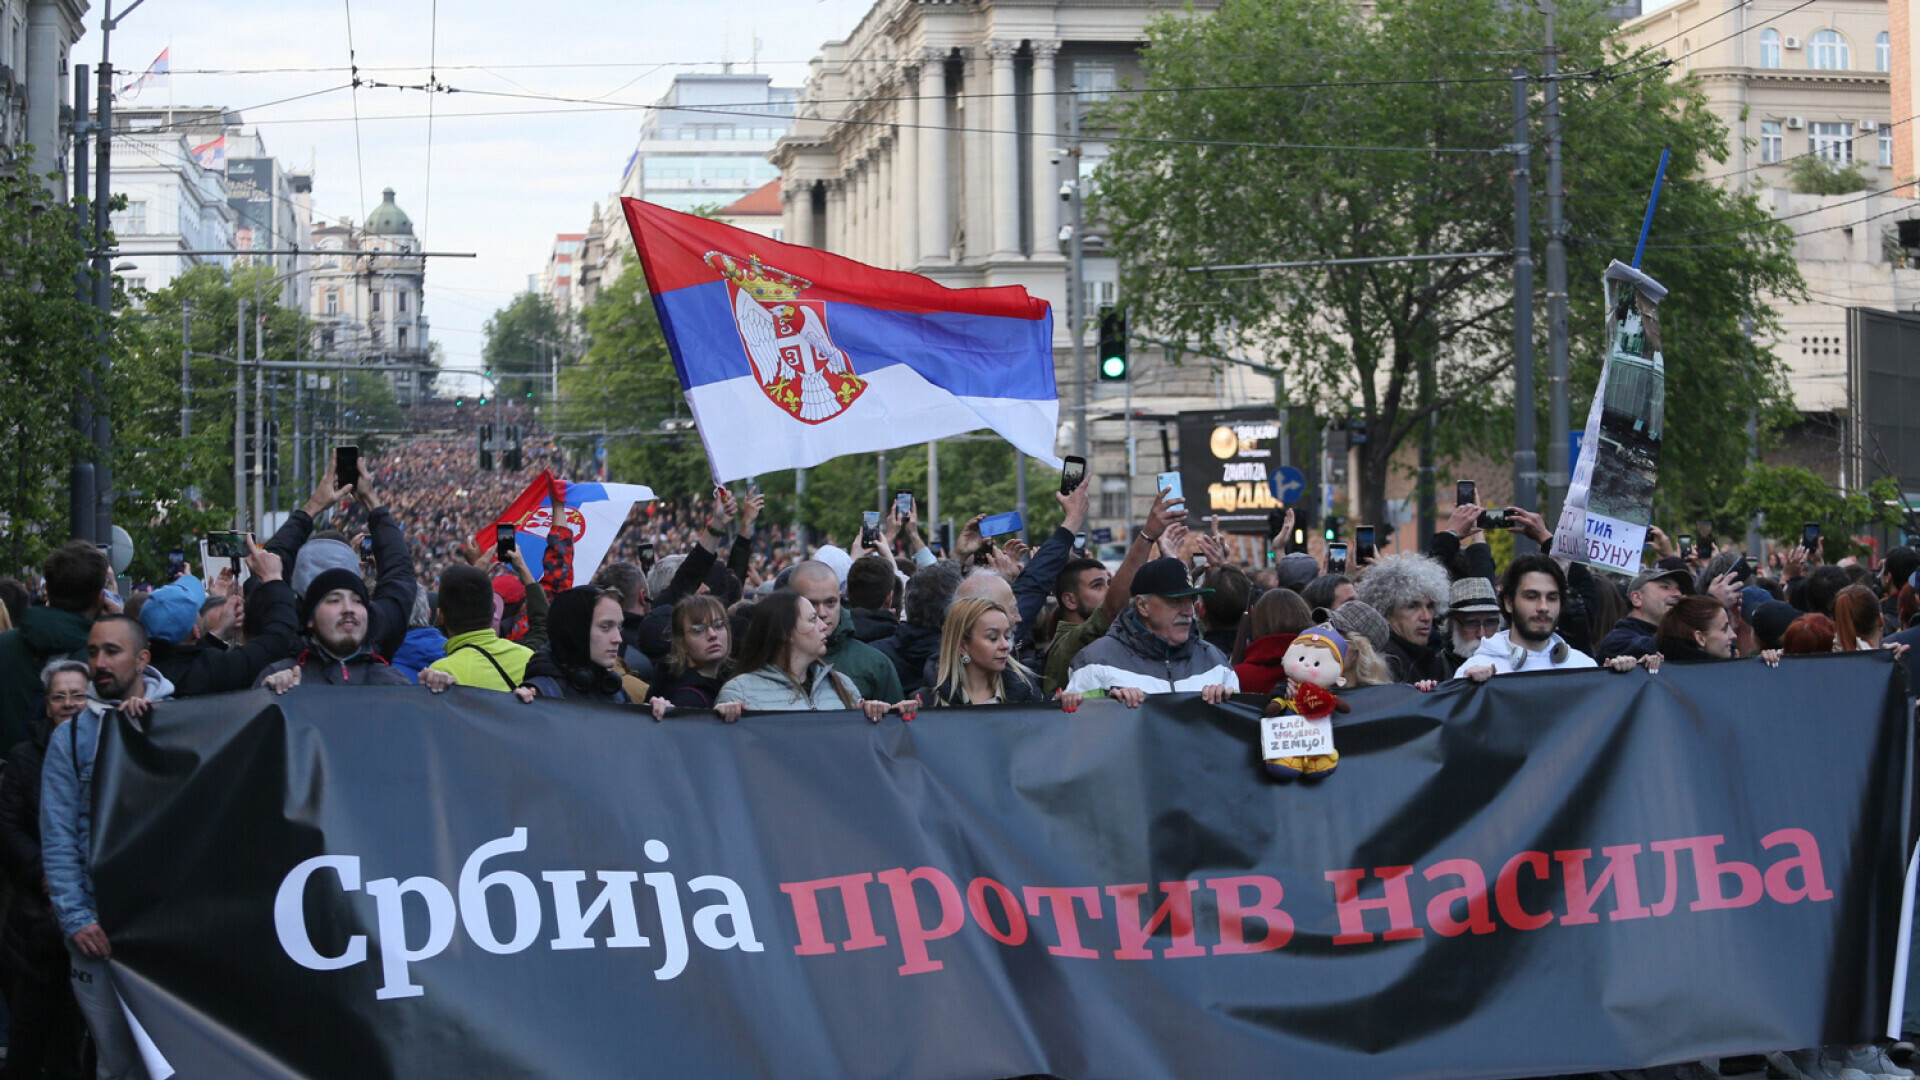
{"type": "Point", "coordinates": [504, 677]}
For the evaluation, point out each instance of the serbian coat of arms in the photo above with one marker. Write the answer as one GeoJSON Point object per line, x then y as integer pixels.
{"type": "Point", "coordinates": [795, 362]}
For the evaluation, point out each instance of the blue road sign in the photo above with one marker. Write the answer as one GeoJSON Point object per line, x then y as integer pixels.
{"type": "Point", "coordinates": [1287, 483]}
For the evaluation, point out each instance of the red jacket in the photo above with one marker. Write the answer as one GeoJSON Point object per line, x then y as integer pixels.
{"type": "Point", "coordinates": [1260, 672]}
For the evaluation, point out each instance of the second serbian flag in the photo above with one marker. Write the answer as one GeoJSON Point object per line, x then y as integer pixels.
{"type": "Point", "coordinates": [790, 356]}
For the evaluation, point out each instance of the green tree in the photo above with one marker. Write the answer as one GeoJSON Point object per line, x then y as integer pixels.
{"type": "Point", "coordinates": [522, 340]}
{"type": "Point", "coordinates": [1413, 342]}
{"type": "Point", "coordinates": [1815, 175]}
{"type": "Point", "coordinates": [48, 345]}
{"type": "Point", "coordinates": [1786, 497]}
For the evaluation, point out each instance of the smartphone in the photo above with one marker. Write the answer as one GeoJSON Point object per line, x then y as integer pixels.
{"type": "Point", "coordinates": [1463, 493]}
{"type": "Point", "coordinates": [1686, 546]}
{"type": "Point", "coordinates": [1809, 535]}
{"type": "Point", "coordinates": [227, 545]}
{"type": "Point", "coordinates": [1169, 482]}
{"type": "Point", "coordinates": [1276, 521]}
{"type": "Point", "coordinates": [1079, 541]}
{"type": "Point", "coordinates": [1742, 570]}
{"type": "Point", "coordinates": [753, 488]}
{"type": "Point", "coordinates": [1074, 471]}
{"type": "Point", "coordinates": [1493, 519]}
{"type": "Point", "coordinates": [1199, 562]}
{"type": "Point", "coordinates": [644, 552]}
{"type": "Point", "coordinates": [1001, 524]}
{"type": "Point", "coordinates": [903, 504]}
{"type": "Point", "coordinates": [504, 541]}
{"type": "Point", "coordinates": [869, 527]}
{"type": "Point", "coordinates": [1363, 538]}
{"type": "Point", "coordinates": [346, 466]}
{"type": "Point", "coordinates": [1336, 558]}
{"type": "Point", "coordinates": [176, 563]}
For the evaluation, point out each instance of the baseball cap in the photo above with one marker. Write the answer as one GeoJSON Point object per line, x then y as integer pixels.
{"type": "Point", "coordinates": [170, 612]}
{"type": "Point", "coordinates": [1165, 578]}
{"type": "Point", "coordinates": [1678, 576]}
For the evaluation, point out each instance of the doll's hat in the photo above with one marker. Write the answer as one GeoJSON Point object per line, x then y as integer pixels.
{"type": "Point", "coordinates": [1332, 638]}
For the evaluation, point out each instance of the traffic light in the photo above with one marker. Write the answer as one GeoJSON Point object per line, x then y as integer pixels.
{"type": "Point", "coordinates": [486, 447]}
{"type": "Point", "coordinates": [1332, 528]}
{"type": "Point", "coordinates": [1113, 345]}
{"type": "Point", "coordinates": [513, 461]}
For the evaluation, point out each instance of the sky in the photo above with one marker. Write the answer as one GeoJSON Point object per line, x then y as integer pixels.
{"type": "Point", "coordinates": [500, 185]}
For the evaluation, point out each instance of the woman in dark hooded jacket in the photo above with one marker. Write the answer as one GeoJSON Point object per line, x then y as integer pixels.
{"type": "Point", "coordinates": [1698, 629]}
{"type": "Point", "coordinates": [582, 656]}
{"type": "Point", "coordinates": [700, 659]}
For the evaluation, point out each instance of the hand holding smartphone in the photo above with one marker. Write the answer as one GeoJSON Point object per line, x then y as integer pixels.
{"type": "Point", "coordinates": [1074, 471]}
{"type": "Point", "coordinates": [1336, 558]}
{"type": "Point", "coordinates": [504, 541]}
{"type": "Point", "coordinates": [346, 467]}
{"type": "Point", "coordinates": [1169, 482]}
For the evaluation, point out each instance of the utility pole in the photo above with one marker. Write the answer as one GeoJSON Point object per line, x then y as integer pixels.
{"type": "Point", "coordinates": [80, 476]}
{"type": "Point", "coordinates": [1526, 460]}
{"type": "Point", "coordinates": [1559, 470]}
{"type": "Point", "coordinates": [933, 483]}
{"type": "Point", "coordinates": [1755, 542]}
{"type": "Point", "coordinates": [103, 293]}
{"type": "Point", "coordinates": [1077, 279]}
{"type": "Point", "coordinates": [240, 418]}
{"type": "Point", "coordinates": [186, 370]}
{"type": "Point", "coordinates": [259, 417]}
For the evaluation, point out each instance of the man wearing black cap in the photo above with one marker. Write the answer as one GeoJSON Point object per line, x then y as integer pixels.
{"type": "Point", "coordinates": [1650, 595]}
{"type": "Point", "coordinates": [335, 652]}
{"type": "Point", "coordinates": [1152, 647]}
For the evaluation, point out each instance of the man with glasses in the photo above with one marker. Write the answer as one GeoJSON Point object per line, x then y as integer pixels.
{"type": "Point", "coordinates": [1473, 613]}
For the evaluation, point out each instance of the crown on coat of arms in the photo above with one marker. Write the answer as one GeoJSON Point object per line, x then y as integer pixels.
{"type": "Point", "coordinates": [756, 278]}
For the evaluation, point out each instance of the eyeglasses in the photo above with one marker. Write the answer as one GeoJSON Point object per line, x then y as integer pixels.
{"type": "Point", "coordinates": [700, 629]}
{"type": "Point", "coordinates": [65, 699]}
{"type": "Point", "coordinates": [1491, 622]}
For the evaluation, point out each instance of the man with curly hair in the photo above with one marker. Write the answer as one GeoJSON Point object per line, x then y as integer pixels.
{"type": "Point", "coordinates": [1411, 591]}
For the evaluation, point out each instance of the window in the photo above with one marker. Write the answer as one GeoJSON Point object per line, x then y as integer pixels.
{"type": "Point", "coordinates": [1099, 294]}
{"type": "Point", "coordinates": [133, 220]}
{"type": "Point", "coordinates": [403, 303]}
{"type": "Point", "coordinates": [1772, 142]}
{"type": "Point", "coordinates": [326, 343]}
{"type": "Point", "coordinates": [374, 304]}
{"type": "Point", "coordinates": [1093, 80]}
{"type": "Point", "coordinates": [1769, 48]}
{"type": "Point", "coordinates": [1886, 147]}
{"type": "Point", "coordinates": [1113, 498]}
{"type": "Point", "coordinates": [333, 302]}
{"type": "Point", "coordinates": [400, 338]}
{"type": "Point", "coordinates": [1827, 51]}
{"type": "Point", "coordinates": [1833, 142]}
{"type": "Point", "coordinates": [1882, 52]}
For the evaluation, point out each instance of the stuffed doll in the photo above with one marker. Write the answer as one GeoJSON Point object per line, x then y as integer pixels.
{"type": "Point", "coordinates": [1315, 666]}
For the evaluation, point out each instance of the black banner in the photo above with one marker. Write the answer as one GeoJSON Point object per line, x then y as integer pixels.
{"type": "Point", "coordinates": [1548, 874]}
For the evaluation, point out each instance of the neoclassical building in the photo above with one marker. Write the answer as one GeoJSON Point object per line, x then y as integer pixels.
{"type": "Point", "coordinates": [368, 296]}
{"type": "Point", "coordinates": [934, 138]}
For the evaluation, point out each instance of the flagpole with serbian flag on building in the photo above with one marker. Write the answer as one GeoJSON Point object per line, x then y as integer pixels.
{"type": "Point", "coordinates": [790, 356]}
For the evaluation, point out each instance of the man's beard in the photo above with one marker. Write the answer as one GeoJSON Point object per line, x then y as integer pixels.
{"type": "Point", "coordinates": [1462, 647]}
{"type": "Point", "coordinates": [346, 645]}
{"type": "Point", "coordinates": [1525, 633]}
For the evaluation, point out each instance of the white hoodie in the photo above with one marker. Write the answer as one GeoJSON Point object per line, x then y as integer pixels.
{"type": "Point", "coordinates": [1501, 654]}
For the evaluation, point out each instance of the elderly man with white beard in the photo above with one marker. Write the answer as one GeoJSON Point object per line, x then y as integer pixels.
{"type": "Point", "coordinates": [1473, 613]}
{"type": "Point", "coordinates": [1152, 647]}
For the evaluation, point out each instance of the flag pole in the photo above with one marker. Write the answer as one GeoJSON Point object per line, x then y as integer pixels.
{"type": "Point", "coordinates": [1653, 200]}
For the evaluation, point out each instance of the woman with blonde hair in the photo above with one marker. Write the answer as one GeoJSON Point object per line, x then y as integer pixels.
{"type": "Point", "coordinates": [976, 665]}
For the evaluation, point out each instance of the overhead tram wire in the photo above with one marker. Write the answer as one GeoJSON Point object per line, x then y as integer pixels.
{"type": "Point", "coordinates": [359, 159]}
{"type": "Point", "coordinates": [1640, 193]}
{"type": "Point", "coordinates": [1662, 65]}
{"type": "Point", "coordinates": [1598, 241]}
{"type": "Point", "coordinates": [433, 78]}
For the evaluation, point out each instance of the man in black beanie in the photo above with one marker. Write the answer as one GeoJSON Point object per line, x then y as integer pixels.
{"type": "Point", "coordinates": [334, 651]}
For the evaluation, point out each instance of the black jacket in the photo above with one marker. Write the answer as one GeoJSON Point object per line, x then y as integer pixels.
{"type": "Point", "coordinates": [1020, 689]}
{"type": "Point", "coordinates": [911, 649]}
{"type": "Point", "coordinates": [690, 689]}
{"type": "Point", "coordinates": [1631, 636]}
{"type": "Point", "coordinates": [32, 943]}
{"type": "Point", "coordinates": [207, 667]}
{"type": "Point", "coordinates": [654, 634]}
{"type": "Point", "coordinates": [392, 605]}
{"type": "Point", "coordinates": [1411, 662]}
{"type": "Point", "coordinates": [873, 625]}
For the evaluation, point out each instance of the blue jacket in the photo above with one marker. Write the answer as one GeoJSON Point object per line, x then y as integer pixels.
{"type": "Point", "coordinates": [66, 808]}
{"type": "Point", "coordinates": [423, 646]}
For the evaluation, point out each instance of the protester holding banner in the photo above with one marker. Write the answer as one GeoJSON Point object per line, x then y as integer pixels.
{"type": "Point", "coordinates": [123, 680]}
{"type": "Point", "coordinates": [1153, 647]}
{"type": "Point", "coordinates": [1698, 629]}
{"type": "Point", "coordinates": [43, 1033]}
{"type": "Point", "coordinates": [1649, 596]}
{"type": "Point", "coordinates": [781, 666]}
{"type": "Point", "coordinates": [700, 660]}
{"type": "Point", "coordinates": [1531, 596]}
{"type": "Point", "coordinates": [977, 666]}
{"type": "Point", "coordinates": [1857, 621]}
{"type": "Point", "coordinates": [1277, 617]}
{"type": "Point", "coordinates": [582, 658]}
{"type": "Point", "coordinates": [1410, 591]}
{"type": "Point", "coordinates": [475, 655]}
{"type": "Point", "coordinates": [1069, 640]}
{"type": "Point", "coordinates": [305, 554]}
{"type": "Point", "coordinates": [335, 650]}
{"type": "Point", "coordinates": [872, 673]}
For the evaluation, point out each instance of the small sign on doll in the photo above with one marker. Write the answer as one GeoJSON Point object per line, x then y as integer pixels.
{"type": "Point", "coordinates": [1294, 736]}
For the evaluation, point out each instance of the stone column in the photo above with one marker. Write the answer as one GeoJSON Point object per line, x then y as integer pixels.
{"type": "Point", "coordinates": [935, 116]}
{"type": "Point", "coordinates": [1004, 151]}
{"type": "Point", "coordinates": [837, 216]}
{"type": "Point", "coordinates": [906, 174]}
{"type": "Point", "coordinates": [1046, 136]}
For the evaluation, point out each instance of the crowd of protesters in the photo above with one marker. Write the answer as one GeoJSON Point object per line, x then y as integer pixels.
{"type": "Point", "coordinates": [378, 582]}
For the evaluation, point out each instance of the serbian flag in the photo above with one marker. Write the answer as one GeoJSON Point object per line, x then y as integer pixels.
{"type": "Point", "coordinates": [160, 68]}
{"type": "Point", "coordinates": [790, 356]}
{"type": "Point", "coordinates": [594, 514]}
{"type": "Point", "coordinates": [212, 154]}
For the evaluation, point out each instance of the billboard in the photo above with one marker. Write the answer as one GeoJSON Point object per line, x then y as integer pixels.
{"type": "Point", "coordinates": [1227, 457]}
{"type": "Point", "coordinates": [250, 195]}
{"type": "Point", "coordinates": [1885, 390]}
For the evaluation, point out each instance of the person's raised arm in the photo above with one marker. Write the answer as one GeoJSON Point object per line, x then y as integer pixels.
{"type": "Point", "coordinates": [273, 625]}
{"type": "Point", "coordinates": [740, 558]}
{"type": "Point", "coordinates": [394, 582]}
{"type": "Point", "coordinates": [1166, 511]}
{"type": "Point", "coordinates": [1036, 582]}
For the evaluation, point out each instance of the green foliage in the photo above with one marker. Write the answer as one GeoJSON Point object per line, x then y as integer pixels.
{"type": "Point", "coordinates": [1815, 175]}
{"type": "Point", "coordinates": [521, 341]}
{"type": "Point", "coordinates": [1786, 497]}
{"type": "Point", "coordinates": [158, 472]}
{"type": "Point", "coordinates": [626, 386]}
{"type": "Point", "coordinates": [1362, 336]}
{"type": "Point", "coordinates": [47, 355]}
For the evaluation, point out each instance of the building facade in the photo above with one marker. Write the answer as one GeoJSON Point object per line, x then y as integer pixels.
{"type": "Point", "coordinates": [1813, 82]}
{"type": "Point", "coordinates": [936, 138]}
{"type": "Point", "coordinates": [367, 298]}
{"type": "Point", "coordinates": [175, 205]}
{"type": "Point", "coordinates": [558, 281]}
{"type": "Point", "coordinates": [706, 142]}
{"type": "Point", "coordinates": [36, 40]}
{"type": "Point", "coordinates": [1903, 43]}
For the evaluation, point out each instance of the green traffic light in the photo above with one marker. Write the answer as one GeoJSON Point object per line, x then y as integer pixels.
{"type": "Point", "coordinates": [1113, 367]}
